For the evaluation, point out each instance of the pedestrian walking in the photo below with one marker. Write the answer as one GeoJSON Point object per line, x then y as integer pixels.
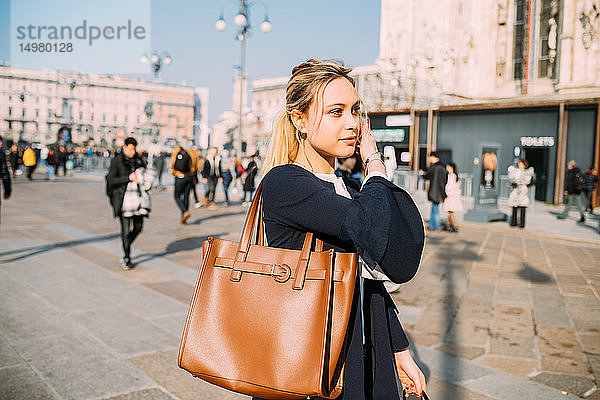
{"type": "Point", "coordinates": [29, 161]}
{"type": "Point", "coordinates": [159, 166]}
{"type": "Point", "coordinates": [47, 161]}
{"type": "Point", "coordinates": [61, 160]}
{"type": "Point", "coordinates": [591, 181]}
{"type": "Point", "coordinates": [436, 193]}
{"type": "Point", "coordinates": [127, 184]}
{"type": "Point", "coordinates": [301, 193]}
{"type": "Point", "coordinates": [227, 179]}
{"type": "Point", "coordinates": [4, 175]}
{"type": "Point", "coordinates": [184, 166]}
{"type": "Point", "coordinates": [249, 176]}
{"type": "Point", "coordinates": [574, 186]}
{"type": "Point", "coordinates": [212, 173]}
{"type": "Point", "coordinates": [453, 201]}
{"type": "Point", "coordinates": [521, 177]}
{"type": "Point", "coordinates": [15, 159]}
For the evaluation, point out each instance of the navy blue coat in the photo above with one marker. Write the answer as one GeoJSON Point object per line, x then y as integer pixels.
{"type": "Point", "coordinates": [382, 223]}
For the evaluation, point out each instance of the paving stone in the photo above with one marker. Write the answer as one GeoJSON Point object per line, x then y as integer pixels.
{"type": "Point", "coordinates": [173, 323]}
{"type": "Point", "coordinates": [146, 394]}
{"type": "Point", "coordinates": [513, 320]}
{"type": "Point", "coordinates": [564, 365]}
{"type": "Point", "coordinates": [71, 296]}
{"type": "Point", "coordinates": [174, 289]}
{"type": "Point", "coordinates": [8, 356]}
{"type": "Point", "coordinates": [469, 331]}
{"type": "Point", "coordinates": [21, 383]}
{"type": "Point", "coordinates": [468, 352]}
{"type": "Point", "coordinates": [511, 345]}
{"type": "Point", "coordinates": [577, 385]}
{"type": "Point", "coordinates": [558, 341]}
{"type": "Point", "coordinates": [552, 316]}
{"type": "Point", "coordinates": [162, 368]}
{"type": "Point", "coordinates": [141, 300]}
{"type": "Point", "coordinates": [124, 332]}
{"type": "Point", "coordinates": [440, 389]}
{"type": "Point", "coordinates": [514, 366]}
{"type": "Point", "coordinates": [591, 343]}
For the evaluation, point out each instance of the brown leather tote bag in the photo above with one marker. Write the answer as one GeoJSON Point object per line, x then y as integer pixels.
{"type": "Point", "coordinates": [269, 322]}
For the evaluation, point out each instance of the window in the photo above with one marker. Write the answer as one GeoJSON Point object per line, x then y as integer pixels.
{"type": "Point", "coordinates": [49, 113]}
{"type": "Point", "coordinates": [103, 117]}
{"type": "Point", "coordinates": [37, 112]}
{"type": "Point", "coordinates": [520, 38]}
{"type": "Point", "coordinates": [92, 116]}
{"type": "Point", "coordinates": [9, 111]}
{"type": "Point", "coordinates": [80, 115]}
{"type": "Point", "coordinates": [548, 38]}
{"type": "Point", "coordinates": [23, 112]}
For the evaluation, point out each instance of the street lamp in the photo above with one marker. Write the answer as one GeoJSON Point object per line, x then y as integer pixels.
{"type": "Point", "coordinates": [156, 61]}
{"type": "Point", "coordinates": [242, 19]}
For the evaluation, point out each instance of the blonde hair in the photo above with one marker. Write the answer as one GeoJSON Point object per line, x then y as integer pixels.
{"type": "Point", "coordinates": [307, 82]}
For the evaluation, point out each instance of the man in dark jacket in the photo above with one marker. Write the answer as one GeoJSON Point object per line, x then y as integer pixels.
{"type": "Point", "coordinates": [212, 172]}
{"type": "Point", "coordinates": [438, 177]}
{"type": "Point", "coordinates": [4, 172]}
{"type": "Point", "coordinates": [121, 172]}
{"type": "Point", "coordinates": [574, 186]}
{"type": "Point", "coordinates": [591, 180]}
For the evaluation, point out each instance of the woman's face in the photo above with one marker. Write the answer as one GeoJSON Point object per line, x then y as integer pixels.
{"type": "Point", "coordinates": [335, 133]}
{"type": "Point", "coordinates": [449, 168]}
{"type": "Point", "coordinates": [521, 164]}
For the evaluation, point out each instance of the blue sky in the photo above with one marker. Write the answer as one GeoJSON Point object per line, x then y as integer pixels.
{"type": "Point", "coordinates": [347, 30]}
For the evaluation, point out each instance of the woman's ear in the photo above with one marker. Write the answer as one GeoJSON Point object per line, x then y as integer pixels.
{"type": "Point", "coordinates": [298, 120]}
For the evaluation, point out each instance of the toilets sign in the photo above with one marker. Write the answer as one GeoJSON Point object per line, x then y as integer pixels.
{"type": "Point", "coordinates": [537, 141]}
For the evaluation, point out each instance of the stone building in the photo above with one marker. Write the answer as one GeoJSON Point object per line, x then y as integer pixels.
{"type": "Point", "coordinates": [511, 73]}
{"type": "Point", "coordinates": [50, 106]}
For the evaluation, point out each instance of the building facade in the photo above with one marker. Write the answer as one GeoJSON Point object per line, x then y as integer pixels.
{"type": "Point", "coordinates": [521, 76]}
{"type": "Point", "coordinates": [55, 106]}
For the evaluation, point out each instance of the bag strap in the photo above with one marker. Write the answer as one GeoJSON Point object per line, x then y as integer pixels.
{"type": "Point", "coordinates": [244, 246]}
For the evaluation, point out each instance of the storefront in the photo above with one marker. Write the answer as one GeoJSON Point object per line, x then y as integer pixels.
{"type": "Point", "coordinates": [547, 135]}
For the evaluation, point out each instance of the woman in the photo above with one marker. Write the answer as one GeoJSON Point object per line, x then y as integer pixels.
{"type": "Point", "coordinates": [321, 122]}
{"type": "Point", "coordinates": [520, 178]}
{"type": "Point", "coordinates": [249, 187]}
{"type": "Point", "coordinates": [127, 184]}
{"type": "Point", "coordinates": [453, 202]}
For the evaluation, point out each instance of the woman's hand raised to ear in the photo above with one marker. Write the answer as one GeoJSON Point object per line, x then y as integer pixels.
{"type": "Point", "coordinates": [368, 147]}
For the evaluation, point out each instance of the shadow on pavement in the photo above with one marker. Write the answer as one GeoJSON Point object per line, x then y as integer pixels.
{"type": "Point", "coordinates": [35, 250]}
{"type": "Point", "coordinates": [529, 273]}
{"type": "Point", "coordinates": [187, 244]}
{"type": "Point", "coordinates": [229, 214]}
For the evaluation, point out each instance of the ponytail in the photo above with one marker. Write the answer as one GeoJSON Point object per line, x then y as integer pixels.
{"type": "Point", "coordinates": [284, 145]}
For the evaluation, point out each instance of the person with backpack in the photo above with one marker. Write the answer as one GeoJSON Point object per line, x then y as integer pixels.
{"type": "Point", "coordinates": [574, 186]}
{"type": "Point", "coordinates": [127, 184]}
{"type": "Point", "coordinates": [184, 166]}
{"type": "Point", "coordinates": [29, 161]}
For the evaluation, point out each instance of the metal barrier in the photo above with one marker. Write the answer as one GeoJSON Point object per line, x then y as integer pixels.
{"type": "Point", "coordinates": [83, 162]}
{"type": "Point", "coordinates": [413, 183]}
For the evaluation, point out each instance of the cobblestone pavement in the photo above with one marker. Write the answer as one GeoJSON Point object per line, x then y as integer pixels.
{"type": "Point", "coordinates": [492, 314]}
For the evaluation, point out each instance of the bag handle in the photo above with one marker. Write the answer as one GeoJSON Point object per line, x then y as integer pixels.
{"type": "Point", "coordinates": [244, 246]}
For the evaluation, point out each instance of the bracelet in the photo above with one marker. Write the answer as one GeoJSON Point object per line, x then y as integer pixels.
{"type": "Point", "coordinates": [376, 159]}
{"type": "Point", "coordinates": [368, 160]}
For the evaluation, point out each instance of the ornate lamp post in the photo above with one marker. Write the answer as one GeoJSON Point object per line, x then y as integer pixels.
{"type": "Point", "coordinates": [242, 19]}
{"type": "Point", "coordinates": [156, 61]}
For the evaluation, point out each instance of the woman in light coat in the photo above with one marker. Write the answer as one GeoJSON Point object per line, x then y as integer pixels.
{"type": "Point", "coordinates": [520, 177]}
{"type": "Point", "coordinates": [453, 202]}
